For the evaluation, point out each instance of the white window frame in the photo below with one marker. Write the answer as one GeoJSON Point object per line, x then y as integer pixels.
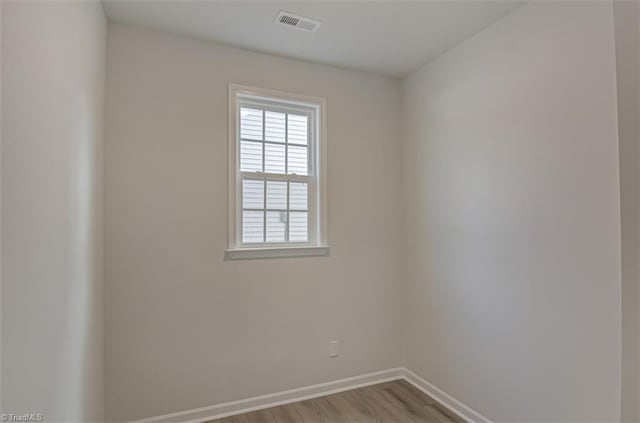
{"type": "Point", "coordinates": [317, 216]}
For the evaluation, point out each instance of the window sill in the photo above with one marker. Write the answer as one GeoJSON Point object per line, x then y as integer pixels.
{"type": "Point", "coordinates": [275, 252]}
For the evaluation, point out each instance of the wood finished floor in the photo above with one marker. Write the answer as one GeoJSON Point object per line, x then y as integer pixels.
{"type": "Point", "coordinates": [390, 402]}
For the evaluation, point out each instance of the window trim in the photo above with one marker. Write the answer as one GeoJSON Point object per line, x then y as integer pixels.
{"type": "Point", "coordinates": [317, 244]}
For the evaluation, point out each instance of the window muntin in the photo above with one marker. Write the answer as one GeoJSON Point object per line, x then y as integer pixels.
{"type": "Point", "coordinates": [276, 174]}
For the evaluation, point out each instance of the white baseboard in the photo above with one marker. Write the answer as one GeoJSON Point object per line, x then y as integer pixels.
{"type": "Point", "coordinates": [204, 414]}
{"type": "Point", "coordinates": [460, 409]}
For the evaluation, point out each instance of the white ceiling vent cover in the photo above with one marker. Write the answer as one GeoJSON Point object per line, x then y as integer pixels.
{"type": "Point", "coordinates": [296, 21]}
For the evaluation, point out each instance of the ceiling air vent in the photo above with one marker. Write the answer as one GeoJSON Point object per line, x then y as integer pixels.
{"type": "Point", "coordinates": [298, 22]}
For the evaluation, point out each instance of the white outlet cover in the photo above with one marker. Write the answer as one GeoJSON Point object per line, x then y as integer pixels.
{"type": "Point", "coordinates": [333, 348]}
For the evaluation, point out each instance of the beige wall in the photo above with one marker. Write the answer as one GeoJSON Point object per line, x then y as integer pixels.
{"type": "Point", "coordinates": [186, 329]}
{"type": "Point", "coordinates": [1, 402]}
{"type": "Point", "coordinates": [627, 34]}
{"type": "Point", "coordinates": [510, 190]}
{"type": "Point", "coordinates": [53, 64]}
{"type": "Point", "coordinates": [511, 175]}
{"type": "Point", "coordinates": [511, 203]}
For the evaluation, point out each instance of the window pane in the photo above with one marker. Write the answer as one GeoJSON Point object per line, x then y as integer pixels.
{"type": "Point", "coordinates": [277, 195]}
{"type": "Point", "coordinates": [276, 224]}
{"type": "Point", "coordinates": [298, 196]}
{"type": "Point", "coordinates": [252, 194]}
{"type": "Point", "coordinates": [274, 158]}
{"type": "Point", "coordinates": [250, 124]}
{"type": "Point", "coordinates": [250, 156]}
{"type": "Point", "coordinates": [298, 160]}
{"type": "Point", "coordinates": [274, 126]}
{"type": "Point", "coordinates": [252, 226]}
{"type": "Point", "coordinates": [297, 129]}
{"type": "Point", "coordinates": [298, 226]}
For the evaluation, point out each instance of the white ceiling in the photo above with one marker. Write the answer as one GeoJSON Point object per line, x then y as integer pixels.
{"type": "Point", "coordinates": [386, 37]}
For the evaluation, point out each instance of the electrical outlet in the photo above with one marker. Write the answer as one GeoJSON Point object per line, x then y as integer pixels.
{"type": "Point", "coordinates": [333, 348]}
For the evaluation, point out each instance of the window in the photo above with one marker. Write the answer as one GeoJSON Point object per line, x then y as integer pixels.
{"type": "Point", "coordinates": [276, 168]}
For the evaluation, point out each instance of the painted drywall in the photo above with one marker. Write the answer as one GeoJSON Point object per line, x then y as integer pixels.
{"type": "Point", "coordinates": [627, 36]}
{"type": "Point", "coordinates": [186, 329]}
{"type": "Point", "coordinates": [1, 209]}
{"type": "Point", "coordinates": [53, 76]}
{"type": "Point", "coordinates": [513, 228]}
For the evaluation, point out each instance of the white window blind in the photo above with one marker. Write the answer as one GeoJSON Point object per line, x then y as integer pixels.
{"type": "Point", "coordinates": [276, 185]}
{"type": "Point", "coordinates": [275, 172]}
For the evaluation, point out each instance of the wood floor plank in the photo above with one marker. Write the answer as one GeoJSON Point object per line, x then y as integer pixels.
{"type": "Point", "coordinates": [391, 402]}
{"type": "Point", "coordinates": [406, 390]}
{"type": "Point", "coordinates": [285, 414]}
{"type": "Point", "coordinates": [333, 410]}
{"type": "Point", "coordinates": [261, 416]}
{"type": "Point", "coordinates": [239, 418]}
{"type": "Point", "coordinates": [358, 407]}
{"type": "Point", "coordinates": [383, 409]}
{"type": "Point", "coordinates": [310, 412]}
{"type": "Point", "coordinates": [440, 413]}
{"type": "Point", "coordinates": [350, 411]}
{"type": "Point", "coordinates": [415, 410]}
{"type": "Point", "coordinates": [413, 392]}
